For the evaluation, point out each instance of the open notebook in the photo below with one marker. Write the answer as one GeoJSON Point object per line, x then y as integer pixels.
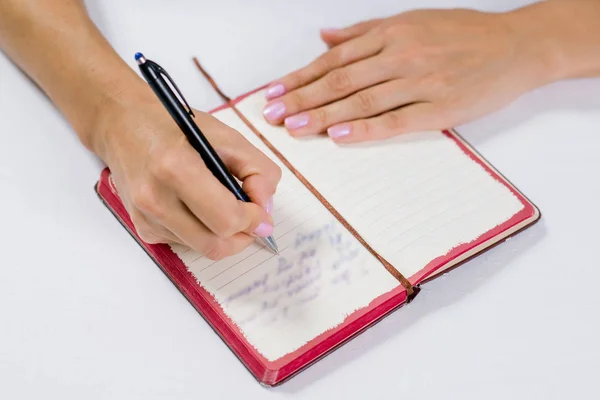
{"type": "Point", "coordinates": [359, 228]}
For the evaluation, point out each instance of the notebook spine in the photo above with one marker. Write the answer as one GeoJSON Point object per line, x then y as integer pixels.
{"type": "Point", "coordinates": [411, 290]}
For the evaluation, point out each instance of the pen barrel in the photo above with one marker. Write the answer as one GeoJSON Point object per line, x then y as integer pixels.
{"type": "Point", "coordinates": [194, 135]}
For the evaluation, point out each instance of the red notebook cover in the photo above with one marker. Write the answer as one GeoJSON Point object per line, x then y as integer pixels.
{"type": "Point", "coordinates": [275, 372]}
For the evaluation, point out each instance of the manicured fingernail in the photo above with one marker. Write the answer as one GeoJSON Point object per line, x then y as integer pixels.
{"type": "Point", "coordinates": [337, 131]}
{"type": "Point", "coordinates": [274, 90]}
{"type": "Point", "coordinates": [269, 206]}
{"type": "Point", "coordinates": [264, 230]}
{"type": "Point", "coordinates": [296, 121]}
{"type": "Point", "coordinates": [274, 110]}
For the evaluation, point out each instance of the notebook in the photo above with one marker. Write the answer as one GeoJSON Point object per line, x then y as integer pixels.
{"type": "Point", "coordinates": [360, 228]}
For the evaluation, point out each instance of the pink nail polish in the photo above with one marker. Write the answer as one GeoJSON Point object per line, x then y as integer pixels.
{"type": "Point", "coordinates": [296, 121]}
{"type": "Point", "coordinates": [274, 111]}
{"type": "Point", "coordinates": [264, 230]}
{"type": "Point", "coordinates": [269, 206]}
{"type": "Point", "coordinates": [337, 131]}
{"type": "Point", "coordinates": [275, 90]}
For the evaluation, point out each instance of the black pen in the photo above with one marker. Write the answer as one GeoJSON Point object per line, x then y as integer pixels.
{"type": "Point", "coordinates": [153, 73]}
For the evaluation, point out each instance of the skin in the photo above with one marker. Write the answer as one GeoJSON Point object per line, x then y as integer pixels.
{"type": "Point", "coordinates": [116, 115]}
{"type": "Point", "coordinates": [434, 69]}
{"type": "Point", "coordinates": [424, 69]}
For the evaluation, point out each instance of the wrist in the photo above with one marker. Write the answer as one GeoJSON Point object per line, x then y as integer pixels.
{"type": "Point", "coordinates": [555, 38]}
{"type": "Point", "coordinates": [98, 134]}
{"type": "Point", "coordinates": [537, 51]}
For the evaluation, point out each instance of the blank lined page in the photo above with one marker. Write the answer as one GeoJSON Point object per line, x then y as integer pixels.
{"type": "Point", "coordinates": [413, 198]}
{"type": "Point", "coordinates": [280, 302]}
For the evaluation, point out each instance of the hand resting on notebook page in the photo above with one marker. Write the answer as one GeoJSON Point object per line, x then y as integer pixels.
{"type": "Point", "coordinates": [433, 69]}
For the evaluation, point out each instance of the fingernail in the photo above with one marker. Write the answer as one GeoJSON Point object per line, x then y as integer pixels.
{"type": "Point", "coordinates": [329, 30]}
{"type": "Point", "coordinates": [269, 206]}
{"type": "Point", "coordinates": [264, 230]}
{"type": "Point", "coordinates": [274, 111]}
{"type": "Point", "coordinates": [337, 131]}
{"type": "Point", "coordinates": [274, 90]}
{"type": "Point", "coordinates": [296, 121]}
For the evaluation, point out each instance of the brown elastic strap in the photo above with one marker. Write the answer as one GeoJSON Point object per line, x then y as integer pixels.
{"type": "Point", "coordinates": [410, 289]}
{"type": "Point", "coordinates": [212, 82]}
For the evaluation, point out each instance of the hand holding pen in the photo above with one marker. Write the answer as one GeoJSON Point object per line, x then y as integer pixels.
{"type": "Point", "coordinates": [165, 186]}
{"type": "Point", "coordinates": [182, 115]}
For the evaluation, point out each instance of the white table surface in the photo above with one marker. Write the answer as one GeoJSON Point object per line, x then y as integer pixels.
{"type": "Point", "coordinates": [85, 314]}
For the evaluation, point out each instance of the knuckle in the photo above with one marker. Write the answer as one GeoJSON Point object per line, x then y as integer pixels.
{"type": "Point", "coordinates": [364, 102]}
{"type": "Point", "coordinates": [297, 100]}
{"type": "Point", "coordinates": [165, 166]}
{"type": "Point", "coordinates": [270, 170]}
{"type": "Point", "coordinates": [294, 79]}
{"type": "Point", "coordinates": [144, 199]}
{"type": "Point", "coordinates": [229, 224]}
{"type": "Point", "coordinates": [215, 249]}
{"type": "Point", "coordinates": [145, 232]}
{"type": "Point", "coordinates": [338, 81]}
{"type": "Point", "coordinates": [328, 61]}
{"type": "Point", "coordinates": [274, 173]}
{"type": "Point", "coordinates": [319, 116]}
{"type": "Point", "coordinates": [391, 31]}
{"type": "Point", "coordinates": [401, 28]}
{"type": "Point", "coordinates": [393, 121]}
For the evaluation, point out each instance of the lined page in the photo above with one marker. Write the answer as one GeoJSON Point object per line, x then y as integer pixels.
{"type": "Point", "coordinates": [413, 198]}
{"type": "Point", "coordinates": [321, 275]}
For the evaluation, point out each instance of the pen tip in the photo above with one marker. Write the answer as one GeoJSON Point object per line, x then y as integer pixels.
{"type": "Point", "coordinates": [270, 243]}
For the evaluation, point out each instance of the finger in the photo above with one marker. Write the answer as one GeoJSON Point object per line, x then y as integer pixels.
{"type": "Point", "coordinates": [410, 118]}
{"type": "Point", "coordinates": [334, 37]}
{"type": "Point", "coordinates": [259, 174]}
{"type": "Point", "coordinates": [198, 237]}
{"type": "Point", "coordinates": [335, 85]}
{"type": "Point", "coordinates": [207, 198]}
{"type": "Point", "coordinates": [363, 104]}
{"type": "Point", "coordinates": [144, 206]}
{"type": "Point", "coordinates": [259, 190]}
{"type": "Point", "coordinates": [150, 230]}
{"type": "Point", "coordinates": [346, 53]}
{"type": "Point", "coordinates": [217, 208]}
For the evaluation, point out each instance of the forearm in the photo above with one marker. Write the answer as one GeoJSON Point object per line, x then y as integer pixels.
{"type": "Point", "coordinates": [564, 35]}
{"type": "Point", "coordinates": [59, 47]}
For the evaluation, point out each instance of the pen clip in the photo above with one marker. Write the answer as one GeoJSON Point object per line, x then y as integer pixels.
{"type": "Point", "coordinates": [161, 71]}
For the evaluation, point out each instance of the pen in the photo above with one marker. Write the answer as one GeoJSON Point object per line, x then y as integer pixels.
{"type": "Point", "coordinates": [153, 73]}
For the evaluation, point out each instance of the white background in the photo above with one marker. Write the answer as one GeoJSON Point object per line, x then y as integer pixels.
{"type": "Point", "coordinates": [85, 314]}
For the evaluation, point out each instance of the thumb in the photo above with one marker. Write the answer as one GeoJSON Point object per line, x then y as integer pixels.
{"type": "Point", "coordinates": [334, 37]}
